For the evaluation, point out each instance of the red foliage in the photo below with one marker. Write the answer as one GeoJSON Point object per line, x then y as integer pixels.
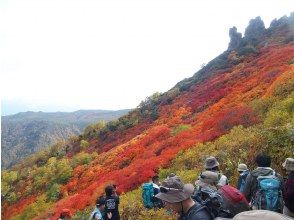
{"type": "Point", "coordinates": [211, 108]}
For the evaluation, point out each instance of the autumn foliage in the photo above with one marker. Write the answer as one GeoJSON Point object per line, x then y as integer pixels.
{"type": "Point", "coordinates": [128, 154]}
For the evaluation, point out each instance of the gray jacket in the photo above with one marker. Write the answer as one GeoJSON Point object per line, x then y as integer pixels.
{"type": "Point", "coordinates": [250, 187]}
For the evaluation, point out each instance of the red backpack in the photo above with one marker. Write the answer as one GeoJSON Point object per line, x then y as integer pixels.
{"type": "Point", "coordinates": [234, 201]}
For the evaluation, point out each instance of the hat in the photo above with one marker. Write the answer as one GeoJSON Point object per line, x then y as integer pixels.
{"type": "Point", "coordinates": [289, 164]}
{"type": "Point", "coordinates": [260, 214]}
{"type": "Point", "coordinates": [242, 167]}
{"type": "Point", "coordinates": [211, 162]}
{"type": "Point", "coordinates": [174, 190]}
{"type": "Point", "coordinates": [207, 178]}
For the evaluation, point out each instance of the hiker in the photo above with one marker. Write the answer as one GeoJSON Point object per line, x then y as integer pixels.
{"type": "Point", "coordinates": [211, 164]}
{"type": "Point", "coordinates": [262, 183]}
{"type": "Point", "coordinates": [149, 190]}
{"type": "Point", "coordinates": [227, 201]}
{"type": "Point", "coordinates": [65, 214]}
{"type": "Point", "coordinates": [177, 196]}
{"type": "Point", "coordinates": [98, 212]}
{"type": "Point", "coordinates": [289, 188]}
{"type": "Point", "coordinates": [111, 204]}
{"type": "Point", "coordinates": [243, 171]}
{"type": "Point", "coordinates": [206, 193]}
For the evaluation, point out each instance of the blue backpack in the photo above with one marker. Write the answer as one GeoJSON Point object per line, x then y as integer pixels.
{"type": "Point", "coordinates": [269, 194]}
{"type": "Point", "coordinates": [147, 195]}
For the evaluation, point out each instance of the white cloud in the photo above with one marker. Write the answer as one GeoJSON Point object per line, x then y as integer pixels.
{"type": "Point", "coordinates": [112, 54]}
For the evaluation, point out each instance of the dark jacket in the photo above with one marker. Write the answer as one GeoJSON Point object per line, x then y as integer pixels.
{"type": "Point", "coordinates": [250, 187]}
{"type": "Point", "coordinates": [111, 206]}
{"type": "Point", "coordinates": [197, 212]}
{"type": "Point", "coordinates": [289, 192]}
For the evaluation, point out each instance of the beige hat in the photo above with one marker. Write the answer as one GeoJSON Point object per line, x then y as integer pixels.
{"type": "Point", "coordinates": [289, 164]}
{"type": "Point", "coordinates": [211, 162]}
{"type": "Point", "coordinates": [207, 177]}
{"type": "Point", "coordinates": [242, 167]}
{"type": "Point", "coordinates": [260, 215]}
{"type": "Point", "coordinates": [174, 190]}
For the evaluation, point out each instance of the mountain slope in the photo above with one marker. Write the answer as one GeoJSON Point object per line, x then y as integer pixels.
{"type": "Point", "coordinates": [28, 132]}
{"type": "Point", "coordinates": [200, 109]}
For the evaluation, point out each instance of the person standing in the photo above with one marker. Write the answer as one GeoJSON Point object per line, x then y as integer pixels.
{"type": "Point", "coordinates": [289, 188]}
{"type": "Point", "coordinates": [243, 171]}
{"type": "Point", "coordinates": [111, 204]}
{"type": "Point", "coordinates": [252, 189]}
{"type": "Point", "coordinates": [177, 196]}
{"type": "Point", "coordinates": [211, 164]}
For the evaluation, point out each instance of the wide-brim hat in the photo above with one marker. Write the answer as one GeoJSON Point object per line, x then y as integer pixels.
{"type": "Point", "coordinates": [204, 185]}
{"type": "Point", "coordinates": [289, 164]}
{"type": "Point", "coordinates": [211, 162]}
{"type": "Point", "coordinates": [207, 178]}
{"type": "Point", "coordinates": [173, 190]}
{"type": "Point", "coordinates": [242, 167]}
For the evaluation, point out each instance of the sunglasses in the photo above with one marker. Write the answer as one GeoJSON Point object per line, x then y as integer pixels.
{"type": "Point", "coordinates": [165, 189]}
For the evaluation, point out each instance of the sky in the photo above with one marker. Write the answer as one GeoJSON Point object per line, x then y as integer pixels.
{"type": "Point", "coordinates": [65, 55]}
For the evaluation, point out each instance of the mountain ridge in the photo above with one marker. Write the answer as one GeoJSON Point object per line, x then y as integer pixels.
{"type": "Point", "coordinates": [235, 89]}
{"type": "Point", "coordinates": [27, 132]}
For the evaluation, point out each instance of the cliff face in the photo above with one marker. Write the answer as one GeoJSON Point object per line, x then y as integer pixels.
{"type": "Point", "coordinates": [133, 148]}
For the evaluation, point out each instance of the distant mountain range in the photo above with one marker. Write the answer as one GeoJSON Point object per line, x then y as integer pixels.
{"type": "Point", "coordinates": [28, 132]}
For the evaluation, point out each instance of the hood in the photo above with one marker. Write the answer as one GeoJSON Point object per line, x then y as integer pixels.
{"type": "Point", "coordinates": [262, 171]}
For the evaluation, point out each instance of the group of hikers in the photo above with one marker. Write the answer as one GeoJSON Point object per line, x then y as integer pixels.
{"type": "Point", "coordinates": [259, 194]}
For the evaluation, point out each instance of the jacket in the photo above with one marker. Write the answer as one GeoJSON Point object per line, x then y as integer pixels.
{"type": "Point", "coordinates": [250, 187]}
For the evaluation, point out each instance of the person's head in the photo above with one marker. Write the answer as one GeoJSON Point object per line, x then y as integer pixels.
{"type": "Point", "coordinates": [263, 160]}
{"type": "Point", "coordinates": [171, 175]}
{"type": "Point", "coordinates": [211, 164]}
{"type": "Point", "coordinates": [100, 203]}
{"type": "Point", "coordinates": [65, 214]}
{"type": "Point", "coordinates": [109, 190]}
{"type": "Point", "coordinates": [155, 179]}
{"type": "Point", "coordinates": [289, 165]}
{"type": "Point", "coordinates": [242, 167]}
{"type": "Point", "coordinates": [176, 195]}
{"type": "Point", "coordinates": [207, 179]}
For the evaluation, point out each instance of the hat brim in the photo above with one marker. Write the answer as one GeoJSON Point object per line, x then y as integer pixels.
{"type": "Point", "coordinates": [200, 183]}
{"type": "Point", "coordinates": [242, 169]}
{"type": "Point", "coordinates": [212, 166]}
{"type": "Point", "coordinates": [176, 196]}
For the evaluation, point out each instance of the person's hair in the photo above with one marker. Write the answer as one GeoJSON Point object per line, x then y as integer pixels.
{"type": "Point", "coordinates": [263, 160]}
{"type": "Point", "coordinates": [109, 190]}
{"type": "Point", "coordinates": [100, 201]}
{"type": "Point", "coordinates": [155, 178]}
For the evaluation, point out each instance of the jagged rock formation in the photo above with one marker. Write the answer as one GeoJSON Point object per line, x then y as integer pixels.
{"type": "Point", "coordinates": [236, 38]}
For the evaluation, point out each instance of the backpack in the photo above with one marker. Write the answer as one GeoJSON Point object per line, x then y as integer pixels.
{"type": "Point", "coordinates": [212, 200]}
{"type": "Point", "coordinates": [268, 195]}
{"type": "Point", "coordinates": [233, 200]}
{"type": "Point", "coordinates": [147, 195]}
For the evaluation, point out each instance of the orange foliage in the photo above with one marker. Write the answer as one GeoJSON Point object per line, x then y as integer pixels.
{"type": "Point", "coordinates": [211, 108]}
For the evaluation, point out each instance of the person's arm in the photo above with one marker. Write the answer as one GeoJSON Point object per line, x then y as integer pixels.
{"type": "Point", "coordinates": [97, 216]}
{"type": "Point", "coordinates": [247, 188]}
